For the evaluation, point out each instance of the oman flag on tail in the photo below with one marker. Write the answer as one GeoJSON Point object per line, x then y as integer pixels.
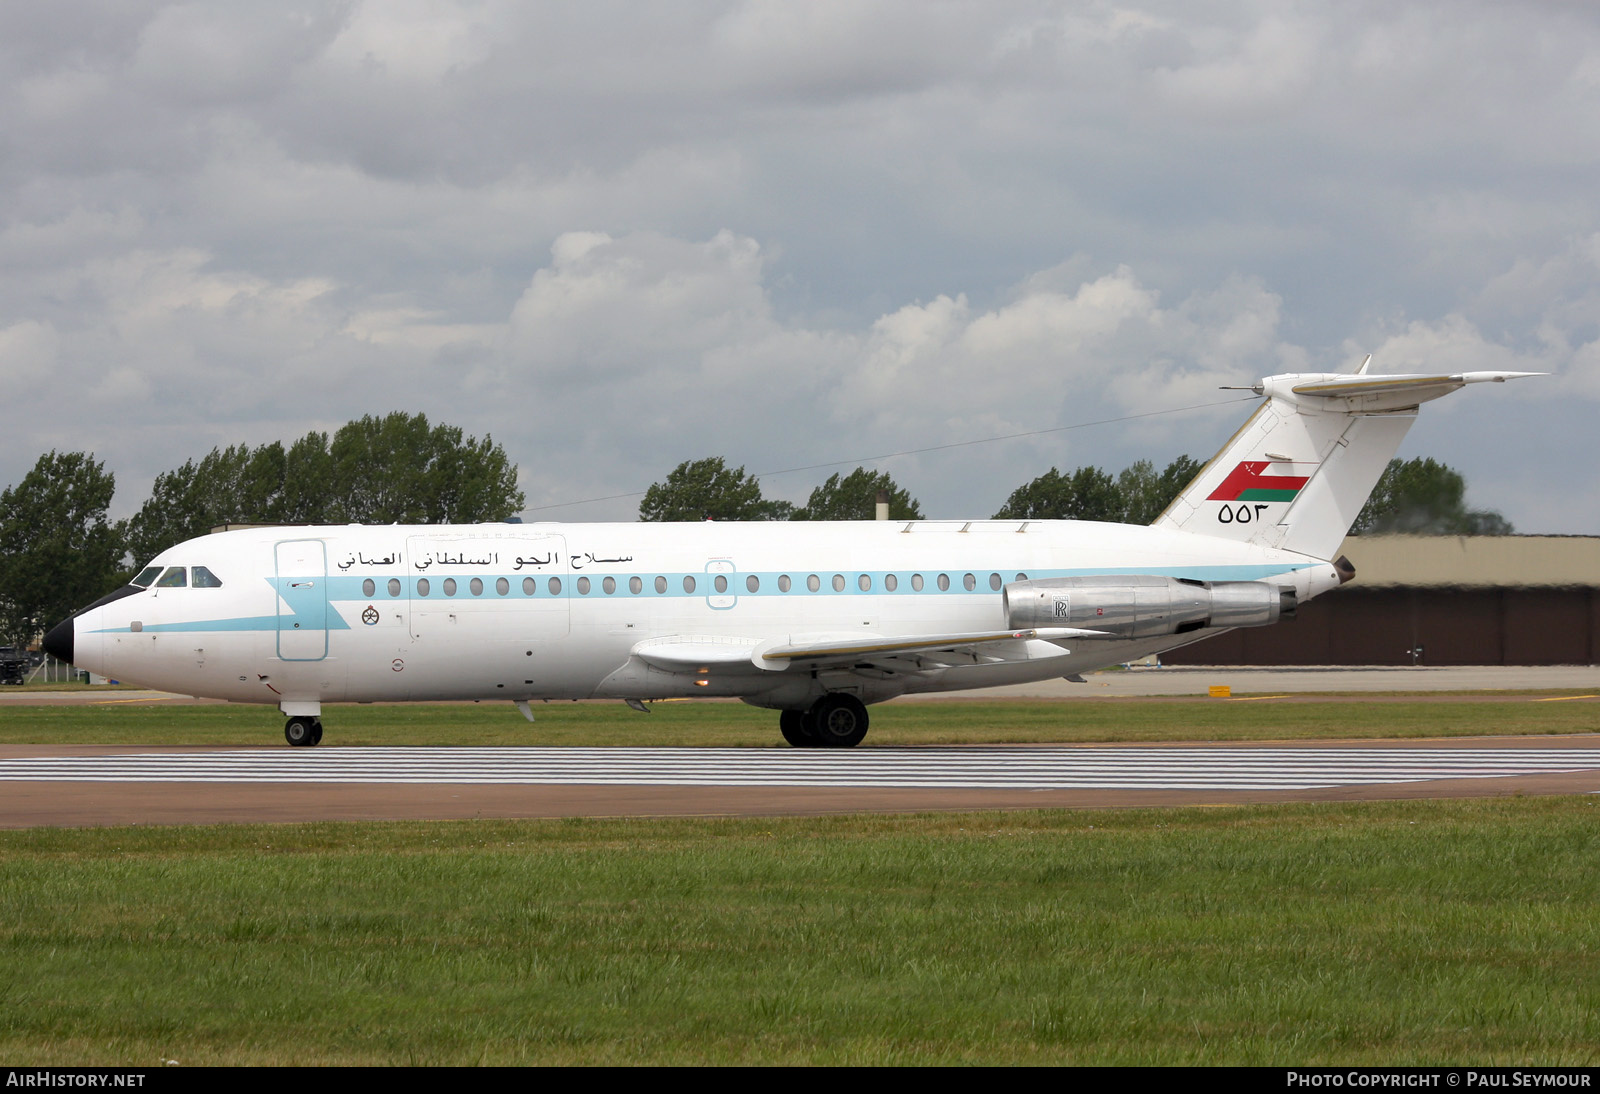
{"type": "Point", "coordinates": [1250, 482]}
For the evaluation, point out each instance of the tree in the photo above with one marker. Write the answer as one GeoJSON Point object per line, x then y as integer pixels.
{"type": "Point", "coordinates": [308, 481]}
{"type": "Point", "coordinates": [229, 485]}
{"type": "Point", "coordinates": [58, 551]}
{"type": "Point", "coordinates": [1146, 495]}
{"type": "Point", "coordinates": [707, 490]}
{"type": "Point", "coordinates": [396, 468]}
{"type": "Point", "coordinates": [855, 497]}
{"type": "Point", "coordinates": [1086, 494]}
{"type": "Point", "coordinates": [1426, 497]}
{"type": "Point", "coordinates": [1175, 479]}
{"type": "Point", "coordinates": [1138, 495]}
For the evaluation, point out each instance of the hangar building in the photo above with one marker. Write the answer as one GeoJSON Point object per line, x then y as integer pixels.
{"type": "Point", "coordinates": [1437, 600]}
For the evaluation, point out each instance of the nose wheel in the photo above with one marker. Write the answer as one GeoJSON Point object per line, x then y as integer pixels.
{"type": "Point", "coordinates": [302, 732]}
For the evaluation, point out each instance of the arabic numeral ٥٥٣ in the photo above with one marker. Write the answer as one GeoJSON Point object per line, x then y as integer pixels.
{"type": "Point", "coordinates": [1243, 514]}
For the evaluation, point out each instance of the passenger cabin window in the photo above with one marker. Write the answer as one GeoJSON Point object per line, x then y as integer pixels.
{"type": "Point", "coordinates": [916, 582]}
{"type": "Point", "coordinates": [661, 584]}
{"type": "Point", "coordinates": [502, 586]}
{"type": "Point", "coordinates": [176, 577]}
{"type": "Point", "coordinates": [449, 586]}
{"type": "Point", "coordinates": [994, 582]}
{"type": "Point", "coordinates": [146, 576]}
{"type": "Point", "coordinates": [583, 586]}
{"type": "Point", "coordinates": [944, 582]}
{"type": "Point", "coordinates": [753, 583]}
{"type": "Point", "coordinates": [476, 585]}
{"type": "Point", "coordinates": [554, 585]}
{"type": "Point", "coordinates": [394, 586]}
{"type": "Point", "coordinates": [609, 585]}
{"type": "Point", "coordinates": [813, 583]}
{"type": "Point", "coordinates": [529, 585]}
{"type": "Point", "coordinates": [783, 583]}
{"type": "Point", "coordinates": [205, 579]}
{"type": "Point", "coordinates": [422, 586]}
{"type": "Point", "coordinates": [635, 586]}
{"type": "Point", "coordinates": [890, 582]}
{"type": "Point", "coordinates": [368, 587]}
{"type": "Point", "coordinates": [969, 582]}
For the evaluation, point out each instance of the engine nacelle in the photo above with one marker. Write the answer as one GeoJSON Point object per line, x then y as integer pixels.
{"type": "Point", "coordinates": [1144, 606]}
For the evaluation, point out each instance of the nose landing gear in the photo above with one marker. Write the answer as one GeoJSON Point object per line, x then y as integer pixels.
{"type": "Point", "coordinates": [302, 732]}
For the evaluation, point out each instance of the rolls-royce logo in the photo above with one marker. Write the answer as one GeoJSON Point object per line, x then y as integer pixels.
{"type": "Point", "coordinates": [370, 616]}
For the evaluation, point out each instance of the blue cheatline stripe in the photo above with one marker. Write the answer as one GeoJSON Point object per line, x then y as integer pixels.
{"type": "Point", "coordinates": [310, 613]}
{"type": "Point", "coordinates": [345, 588]}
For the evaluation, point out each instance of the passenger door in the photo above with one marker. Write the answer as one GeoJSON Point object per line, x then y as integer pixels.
{"type": "Point", "coordinates": [302, 584]}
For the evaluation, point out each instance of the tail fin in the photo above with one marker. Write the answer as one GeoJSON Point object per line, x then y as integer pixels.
{"type": "Point", "coordinates": [1297, 473]}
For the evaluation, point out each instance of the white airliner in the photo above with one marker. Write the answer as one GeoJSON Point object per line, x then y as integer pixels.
{"type": "Point", "coordinates": [815, 620]}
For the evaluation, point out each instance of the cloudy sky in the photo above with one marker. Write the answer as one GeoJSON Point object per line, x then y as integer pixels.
{"type": "Point", "coordinates": [617, 236]}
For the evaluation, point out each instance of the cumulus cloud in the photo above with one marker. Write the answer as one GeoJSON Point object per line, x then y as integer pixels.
{"type": "Point", "coordinates": [619, 236]}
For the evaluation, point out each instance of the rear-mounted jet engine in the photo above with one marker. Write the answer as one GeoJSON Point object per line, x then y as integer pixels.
{"type": "Point", "coordinates": [1145, 606]}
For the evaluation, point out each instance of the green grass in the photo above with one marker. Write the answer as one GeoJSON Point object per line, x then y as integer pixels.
{"type": "Point", "coordinates": [724, 723]}
{"type": "Point", "coordinates": [1395, 933]}
{"type": "Point", "coordinates": [63, 685]}
{"type": "Point", "coordinates": [1376, 933]}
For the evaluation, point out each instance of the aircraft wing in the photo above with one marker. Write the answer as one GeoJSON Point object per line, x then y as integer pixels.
{"type": "Point", "coordinates": [709, 653]}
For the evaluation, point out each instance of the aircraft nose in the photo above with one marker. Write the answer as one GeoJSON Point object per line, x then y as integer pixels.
{"type": "Point", "coordinates": [58, 641]}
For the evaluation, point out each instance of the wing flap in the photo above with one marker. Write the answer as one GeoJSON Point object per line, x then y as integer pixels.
{"type": "Point", "coordinates": [882, 646]}
{"type": "Point", "coordinates": [707, 653]}
{"type": "Point", "coordinates": [710, 654]}
{"type": "Point", "coordinates": [694, 652]}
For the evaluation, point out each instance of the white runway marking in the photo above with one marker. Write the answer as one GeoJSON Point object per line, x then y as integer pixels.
{"type": "Point", "coordinates": [949, 768]}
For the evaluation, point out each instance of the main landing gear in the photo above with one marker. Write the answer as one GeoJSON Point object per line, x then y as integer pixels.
{"type": "Point", "coordinates": [836, 720]}
{"type": "Point", "coordinates": [302, 732]}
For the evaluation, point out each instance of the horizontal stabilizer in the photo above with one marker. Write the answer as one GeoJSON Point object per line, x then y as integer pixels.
{"type": "Point", "coordinates": [1400, 390]}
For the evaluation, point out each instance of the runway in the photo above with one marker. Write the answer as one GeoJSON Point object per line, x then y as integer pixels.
{"type": "Point", "coordinates": [40, 785]}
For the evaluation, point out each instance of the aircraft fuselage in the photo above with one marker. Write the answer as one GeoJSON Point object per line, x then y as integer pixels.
{"type": "Point", "coordinates": [562, 611]}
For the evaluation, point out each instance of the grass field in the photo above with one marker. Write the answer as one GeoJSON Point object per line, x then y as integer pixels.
{"type": "Point", "coordinates": [1432, 932]}
{"type": "Point", "coordinates": [975, 721]}
{"type": "Point", "coordinates": [1397, 933]}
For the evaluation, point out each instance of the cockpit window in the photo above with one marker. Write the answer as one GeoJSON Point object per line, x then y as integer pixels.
{"type": "Point", "coordinates": [176, 577]}
{"type": "Point", "coordinates": [146, 576]}
{"type": "Point", "coordinates": [205, 579]}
